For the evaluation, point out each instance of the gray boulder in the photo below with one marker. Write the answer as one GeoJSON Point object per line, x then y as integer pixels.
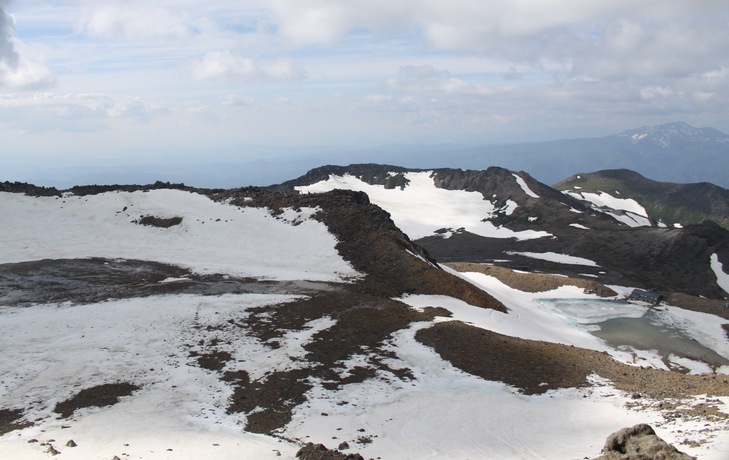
{"type": "Point", "coordinates": [639, 442]}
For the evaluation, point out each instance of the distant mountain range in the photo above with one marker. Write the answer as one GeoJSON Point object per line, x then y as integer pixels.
{"type": "Point", "coordinates": [673, 152]}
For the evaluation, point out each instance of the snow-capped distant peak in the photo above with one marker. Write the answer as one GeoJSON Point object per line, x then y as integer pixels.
{"type": "Point", "coordinates": [668, 134]}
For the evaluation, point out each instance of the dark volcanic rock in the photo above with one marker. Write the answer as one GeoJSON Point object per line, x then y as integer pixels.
{"type": "Point", "coordinates": [99, 396]}
{"type": "Point", "coordinates": [11, 420]}
{"type": "Point", "coordinates": [320, 452]}
{"type": "Point", "coordinates": [373, 174]}
{"type": "Point", "coordinates": [161, 222]}
{"type": "Point", "coordinates": [639, 442]}
{"type": "Point", "coordinates": [666, 259]}
{"type": "Point", "coordinates": [28, 189]}
{"type": "Point", "coordinates": [372, 243]}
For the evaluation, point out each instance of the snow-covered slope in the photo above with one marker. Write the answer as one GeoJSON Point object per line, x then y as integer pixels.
{"type": "Point", "coordinates": [629, 211]}
{"type": "Point", "coordinates": [413, 403]}
{"type": "Point", "coordinates": [637, 200]}
{"type": "Point", "coordinates": [421, 209]}
{"type": "Point", "coordinates": [211, 238]}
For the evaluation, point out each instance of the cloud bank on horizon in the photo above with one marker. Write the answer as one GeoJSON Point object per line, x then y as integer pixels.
{"type": "Point", "coordinates": [105, 80]}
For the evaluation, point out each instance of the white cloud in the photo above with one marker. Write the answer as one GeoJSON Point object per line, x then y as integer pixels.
{"type": "Point", "coordinates": [366, 70]}
{"type": "Point", "coordinates": [233, 99]}
{"type": "Point", "coordinates": [71, 112]}
{"type": "Point", "coordinates": [643, 36]}
{"type": "Point", "coordinates": [217, 65]}
{"type": "Point", "coordinates": [135, 21]}
{"type": "Point", "coordinates": [17, 72]}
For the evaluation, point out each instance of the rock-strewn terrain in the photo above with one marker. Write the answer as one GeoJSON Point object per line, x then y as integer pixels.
{"type": "Point", "coordinates": [362, 317]}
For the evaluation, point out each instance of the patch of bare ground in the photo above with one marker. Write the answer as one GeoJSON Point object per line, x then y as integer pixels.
{"type": "Point", "coordinates": [312, 451]}
{"type": "Point", "coordinates": [364, 324]}
{"type": "Point", "coordinates": [701, 304]}
{"type": "Point", "coordinates": [103, 395]}
{"type": "Point", "coordinates": [532, 282]}
{"type": "Point", "coordinates": [11, 420]}
{"type": "Point", "coordinates": [535, 367]}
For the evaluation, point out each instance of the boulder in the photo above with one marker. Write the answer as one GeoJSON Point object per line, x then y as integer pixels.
{"type": "Point", "coordinates": [639, 442]}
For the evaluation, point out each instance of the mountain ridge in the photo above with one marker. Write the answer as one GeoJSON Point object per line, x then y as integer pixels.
{"type": "Point", "coordinates": [668, 202]}
{"type": "Point", "coordinates": [549, 221]}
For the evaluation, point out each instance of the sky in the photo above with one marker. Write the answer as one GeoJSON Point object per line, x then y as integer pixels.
{"type": "Point", "coordinates": [108, 82]}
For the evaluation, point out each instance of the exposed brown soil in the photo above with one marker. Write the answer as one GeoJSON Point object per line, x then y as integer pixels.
{"type": "Point", "coordinates": [107, 394]}
{"type": "Point", "coordinates": [320, 452]}
{"type": "Point", "coordinates": [535, 367]}
{"type": "Point", "coordinates": [701, 304]}
{"type": "Point", "coordinates": [11, 420]}
{"type": "Point", "coordinates": [532, 282]}
{"type": "Point", "coordinates": [364, 324]}
{"type": "Point", "coordinates": [160, 222]}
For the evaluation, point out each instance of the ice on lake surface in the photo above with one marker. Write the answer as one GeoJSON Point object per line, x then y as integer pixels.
{"type": "Point", "coordinates": [634, 326]}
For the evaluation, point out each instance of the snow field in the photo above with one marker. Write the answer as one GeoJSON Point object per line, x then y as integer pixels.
{"type": "Point", "coordinates": [605, 200]}
{"type": "Point", "coordinates": [444, 413]}
{"type": "Point", "coordinates": [524, 186]}
{"type": "Point", "coordinates": [634, 215]}
{"type": "Point", "coordinates": [722, 278]}
{"type": "Point", "coordinates": [51, 352]}
{"type": "Point", "coordinates": [212, 238]}
{"type": "Point", "coordinates": [554, 257]}
{"type": "Point", "coordinates": [421, 208]}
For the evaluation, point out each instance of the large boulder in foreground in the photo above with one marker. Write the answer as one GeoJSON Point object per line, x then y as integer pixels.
{"type": "Point", "coordinates": [639, 442]}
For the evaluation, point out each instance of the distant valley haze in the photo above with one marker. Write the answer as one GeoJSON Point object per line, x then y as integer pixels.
{"type": "Point", "coordinates": [673, 152]}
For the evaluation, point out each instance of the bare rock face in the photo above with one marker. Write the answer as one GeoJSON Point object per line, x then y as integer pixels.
{"type": "Point", "coordinates": [639, 442]}
{"type": "Point", "coordinates": [319, 452]}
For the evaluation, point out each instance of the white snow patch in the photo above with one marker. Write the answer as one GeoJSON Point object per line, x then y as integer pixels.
{"type": "Point", "coordinates": [212, 238]}
{"type": "Point", "coordinates": [722, 278]}
{"type": "Point", "coordinates": [524, 186]}
{"type": "Point", "coordinates": [421, 208]}
{"type": "Point", "coordinates": [555, 257]}
{"type": "Point", "coordinates": [602, 200]}
{"type": "Point", "coordinates": [51, 352]}
{"type": "Point", "coordinates": [630, 219]}
{"type": "Point", "coordinates": [694, 367]}
{"type": "Point", "coordinates": [580, 226]}
{"type": "Point", "coordinates": [510, 207]}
